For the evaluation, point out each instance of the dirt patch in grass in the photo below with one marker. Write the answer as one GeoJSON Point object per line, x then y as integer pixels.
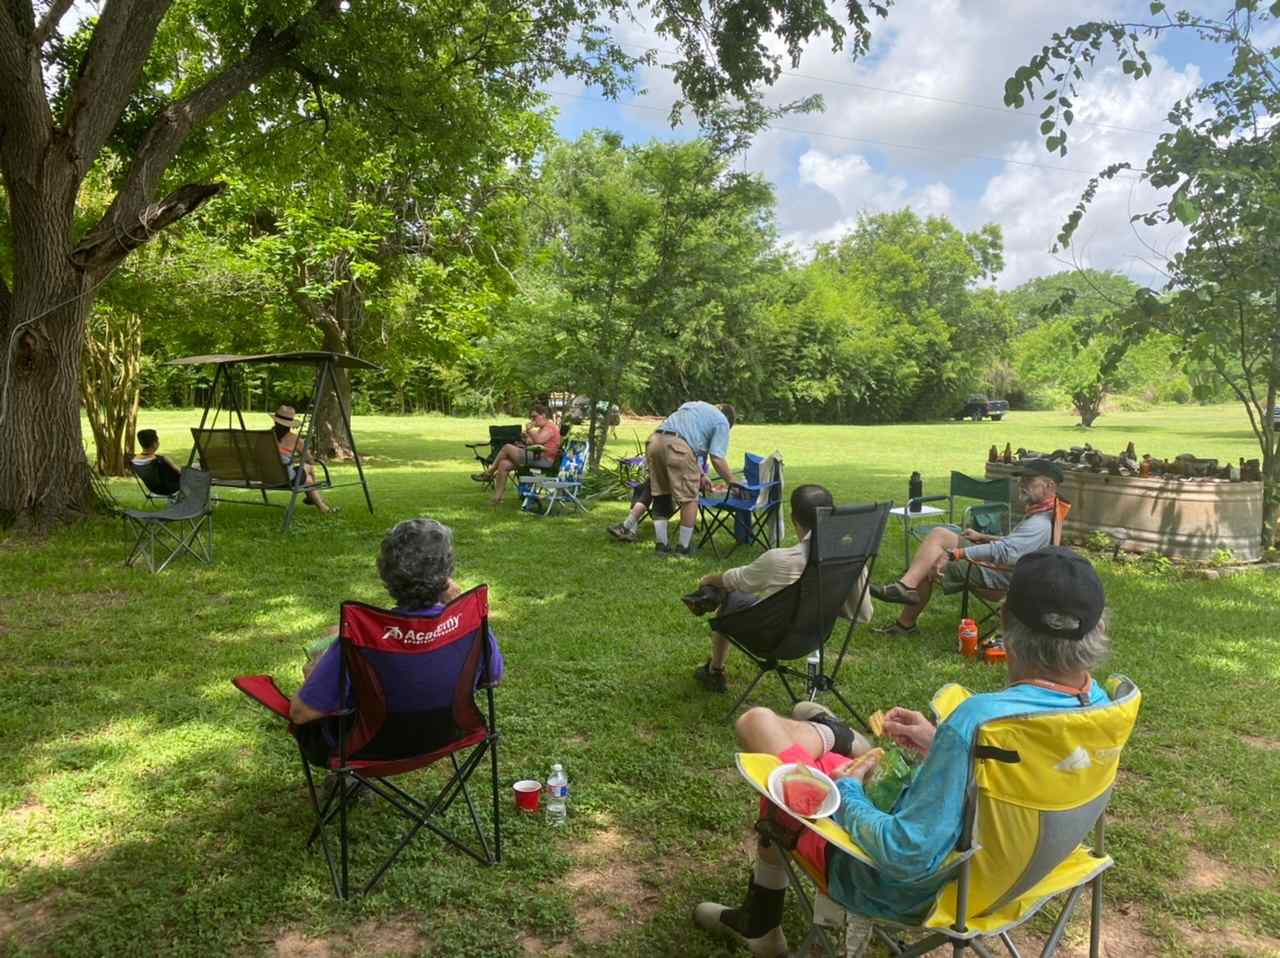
{"type": "Point", "coordinates": [533, 945]}
{"type": "Point", "coordinates": [1266, 744]}
{"type": "Point", "coordinates": [28, 922]}
{"type": "Point", "coordinates": [1223, 941]}
{"type": "Point", "coordinates": [1122, 934]}
{"type": "Point", "coordinates": [294, 944]}
{"type": "Point", "coordinates": [29, 809]}
{"type": "Point", "coordinates": [609, 892]}
{"type": "Point", "coordinates": [389, 939]}
{"type": "Point", "coordinates": [1205, 873]}
{"type": "Point", "coordinates": [370, 939]}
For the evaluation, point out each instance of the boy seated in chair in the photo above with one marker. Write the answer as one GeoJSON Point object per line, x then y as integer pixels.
{"type": "Point", "coordinates": [1054, 636]}
{"type": "Point", "coordinates": [771, 572]}
{"type": "Point", "coordinates": [168, 476]}
{"type": "Point", "coordinates": [416, 566]}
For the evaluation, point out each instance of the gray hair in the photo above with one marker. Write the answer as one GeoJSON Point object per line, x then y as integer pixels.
{"type": "Point", "coordinates": [1049, 653]}
{"type": "Point", "coordinates": [415, 562]}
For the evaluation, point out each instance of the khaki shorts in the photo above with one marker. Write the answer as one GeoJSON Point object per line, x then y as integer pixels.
{"type": "Point", "coordinates": [673, 468]}
{"type": "Point", "coordinates": [955, 573]}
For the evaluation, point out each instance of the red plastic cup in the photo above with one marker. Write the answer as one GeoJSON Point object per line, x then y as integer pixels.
{"type": "Point", "coordinates": [528, 794]}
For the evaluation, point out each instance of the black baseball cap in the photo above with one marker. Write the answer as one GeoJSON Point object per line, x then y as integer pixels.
{"type": "Point", "coordinates": [1041, 467]}
{"type": "Point", "coordinates": [1055, 592]}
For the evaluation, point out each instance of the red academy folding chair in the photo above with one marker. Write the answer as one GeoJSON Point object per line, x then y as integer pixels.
{"type": "Point", "coordinates": [412, 681]}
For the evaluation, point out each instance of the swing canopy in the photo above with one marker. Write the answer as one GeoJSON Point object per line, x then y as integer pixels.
{"type": "Point", "coordinates": [305, 358]}
{"type": "Point", "coordinates": [236, 456]}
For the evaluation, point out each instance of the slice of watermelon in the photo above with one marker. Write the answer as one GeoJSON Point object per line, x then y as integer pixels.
{"type": "Point", "coordinates": [803, 794]}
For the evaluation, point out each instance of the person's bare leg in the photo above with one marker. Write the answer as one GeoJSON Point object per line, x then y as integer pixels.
{"type": "Point", "coordinates": [925, 562]}
{"type": "Point", "coordinates": [500, 480]}
{"type": "Point", "coordinates": [313, 496]}
{"type": "Point", "coordinates": [509, 453]}
{"type": "Point", "coordinates": [762, 730]}
{"type": "Point", "coordinates": [719, 650]}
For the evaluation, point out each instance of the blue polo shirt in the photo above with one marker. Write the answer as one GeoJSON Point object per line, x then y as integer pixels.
{"type": "Point", "coordinates": [910, 843]}
{"type": "Point", "coordinates": [703, 426]}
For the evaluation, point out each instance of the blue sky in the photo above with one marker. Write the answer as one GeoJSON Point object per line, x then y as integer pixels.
{"type": "Point", "coordinates": [874, 150]}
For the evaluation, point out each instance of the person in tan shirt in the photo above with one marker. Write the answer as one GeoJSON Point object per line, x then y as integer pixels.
{"type": "Point", "coordinates": [769, 573]}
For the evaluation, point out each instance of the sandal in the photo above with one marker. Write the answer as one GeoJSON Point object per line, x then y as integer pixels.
{"type": "Point", "coordinates": [896, 628]}
{"type": "Point", "coordinates": [895, 592]}
{"type": "Point", "coordinates": [479, 477]}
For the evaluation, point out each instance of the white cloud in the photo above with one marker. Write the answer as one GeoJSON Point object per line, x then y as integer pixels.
{"type": "Point", "coordinates": [872, 150]}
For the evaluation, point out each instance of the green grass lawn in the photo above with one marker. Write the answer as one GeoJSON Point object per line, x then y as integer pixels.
{"type": "Point", "coordinates": [148, 808]}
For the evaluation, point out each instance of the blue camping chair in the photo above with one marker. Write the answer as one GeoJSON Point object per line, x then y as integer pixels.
{"type": "Point", "coordinates": [542, 494]}
{"type": "Point", "coordinates": [753, 506]}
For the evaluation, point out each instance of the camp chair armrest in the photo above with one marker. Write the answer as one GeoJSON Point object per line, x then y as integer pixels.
{"type": "Point", "coordinates": [923, 499]}
{"type": "Point", "coordinates": [478, 445]}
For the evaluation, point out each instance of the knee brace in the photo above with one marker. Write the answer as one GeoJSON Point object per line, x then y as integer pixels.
{"type": "Point", "coordinates": [663, 507]}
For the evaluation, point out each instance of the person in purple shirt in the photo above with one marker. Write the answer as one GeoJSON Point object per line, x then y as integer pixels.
{"type": "Point", "coordinates": [415, 563]}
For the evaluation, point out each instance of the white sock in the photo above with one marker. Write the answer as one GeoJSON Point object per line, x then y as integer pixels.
{"type": "Point", "coordinates": [629, 523]}
{"type": "Point", "coordinates": [768, 875]}
{"type": "Point", "coordinates": [686, 536]}
{"type": "Point", "coordinates": [825, 733]}
{"type": "Point", "coordinates": [660, 531]}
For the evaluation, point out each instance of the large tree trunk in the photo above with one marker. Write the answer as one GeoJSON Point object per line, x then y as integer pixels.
{"type": "Point", "coordinates": [333, 441]}
{"type": "Point", "coordinates": [44, 475]}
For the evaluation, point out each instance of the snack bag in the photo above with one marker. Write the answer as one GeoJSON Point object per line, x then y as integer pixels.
{"type": "Point", "coordinates": [885, 782]}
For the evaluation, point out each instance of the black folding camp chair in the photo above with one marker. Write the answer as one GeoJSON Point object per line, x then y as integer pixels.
{"type": "Point", "coordinates": [499, 436]}
{"type": "Point", "coordinates": [184, 526]}
{"type": "Point", "coordinates": [158, 483]}
{"type": "Point", "coordinates": [413, 681]}
{"type": "Point", "coordinates": [797, 620]}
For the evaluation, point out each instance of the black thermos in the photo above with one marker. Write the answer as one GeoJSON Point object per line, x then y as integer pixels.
{"type": "Point", "coordinates": [915, 489]}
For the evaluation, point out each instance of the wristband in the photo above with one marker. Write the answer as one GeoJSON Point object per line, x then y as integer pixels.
{"type": "Point", "coordinates": [957, 554]}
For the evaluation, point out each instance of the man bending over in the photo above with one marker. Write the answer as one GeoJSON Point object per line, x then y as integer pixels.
{"type": "Point", "coordinates": [695, 430]}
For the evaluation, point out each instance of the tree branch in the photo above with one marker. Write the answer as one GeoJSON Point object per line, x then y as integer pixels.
{"type": "Point", "coordinates": [102, 249]}
{"type": "Point", "coordinates": [109, 73]}
{"type": "Point", "coordinates": [129, 210]}
{"type": "Point", "coordinates": [57, 10]}
{"type": "Point", "coordinates": [25, 120]}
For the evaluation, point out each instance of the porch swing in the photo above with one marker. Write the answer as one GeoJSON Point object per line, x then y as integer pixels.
{"type": "Point", "coordinates": [237, 457]}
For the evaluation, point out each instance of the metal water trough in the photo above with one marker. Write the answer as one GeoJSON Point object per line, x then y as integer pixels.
{"type": "Point", "coordinates": [1179, 518]}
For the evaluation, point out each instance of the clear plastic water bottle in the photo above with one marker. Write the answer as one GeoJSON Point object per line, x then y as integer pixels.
{"type": "Point", "coordinates": [813, 666]}
{"type": "Point", "coordinates": [557, 796]}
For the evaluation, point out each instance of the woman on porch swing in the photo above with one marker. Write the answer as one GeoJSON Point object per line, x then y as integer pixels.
{"type": "Point", "coordinates": [288, 443]}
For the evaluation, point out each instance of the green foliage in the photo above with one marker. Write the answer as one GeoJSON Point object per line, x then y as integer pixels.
{"type": "Point", "coordinates": [1220, 167]}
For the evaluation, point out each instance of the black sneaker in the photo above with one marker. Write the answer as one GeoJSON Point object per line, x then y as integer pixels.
{"type": "Point", "coordinates": [847, 742]}
{"type": "Point", "coordinates": [682, 552]}
{"type": "Point", "coordinates": [661, 550]}
{"type": "Point", "coordinates": [712, 680]}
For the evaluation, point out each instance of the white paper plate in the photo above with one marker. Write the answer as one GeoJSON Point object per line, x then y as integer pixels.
{"type": "Point", "coordinates": [828, 807]}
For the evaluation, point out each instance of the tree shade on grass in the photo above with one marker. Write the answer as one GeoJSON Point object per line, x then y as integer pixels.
{"type": "Point", "coordinates": [146, 808]}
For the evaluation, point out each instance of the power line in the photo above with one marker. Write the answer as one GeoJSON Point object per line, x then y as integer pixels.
{"type": "Point", "coordinates": [1004, 111]}
{"type": "Point", "coordinates": [855, 139]}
